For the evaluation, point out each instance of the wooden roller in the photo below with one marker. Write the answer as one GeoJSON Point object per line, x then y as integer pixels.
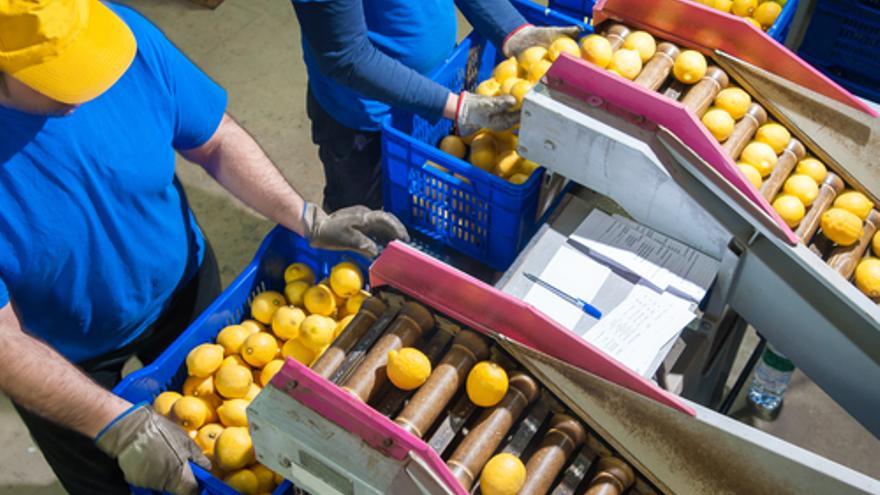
{"type": "Point", "coordinates": [789, 157]}
{"type": "Point", "coordinates": [845, 258]}
{"type": "Point", "coordinates": [446, 379]}
{"type": "Point", "coordinates": [616, 34]}
{"type": "Point", "coordinates": [613, 477]}
{"type": "Point", "coordinates": [564, 436]}
{"type": "Point", "coordinates": [830, 188]}
{"type": "Point", "coordinates": [701, 95]}
{"type": "Point", "coordinates": [492, 426]}
{"type": "Point", "coordinates": [658, 68]}
{"type": "Point", "coordinates": [407, 328]}
{"type": "Point", "coordinates": [334, 356]}
{"type": "Point", "coordinates": [744, 130]}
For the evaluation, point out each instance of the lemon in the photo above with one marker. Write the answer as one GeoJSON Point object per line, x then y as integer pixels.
{"type": "Point", "coordinates": [506, 140]}
{"type": "Point", "coordinates": [296, 350]}
{"type": "Point", "coordinates": [561, 45]}
{"type": "Point", "coordinates": [875, 244]}
{"type": "Point", "coordinates": [206, 437]}
{"type": "Point", "coordinates": [753, 22]}
{"type": "Point", "coordinates": [299, 271]}
{"type": "Point", "coordinates": [504, 474]}
{"type": "Point", "coordinates": [841, 226]}
{"type": "Point", "coordinates": [346, 278]}
{"type": "Point", "coordinates": [751, 173]}
{"type": "Point", "coordinates": [232, 337]}
{"type": "Point", "coordinates": [204, 359]}
{"type": "Point", "coordinates": [518, 178]}
{"type": "Point", "coordinates": [734, 101]}
{"type": "Point", "coordinates": [537, 70]}
{"type": "Point", "coordinates": [766, 13]}
{"type": "Point", "coordinates": [252, 392]}
{"type": "Point", "coordinates": [528, 167]}
{"type": "Point", "coordinates": [519, 91]}
{"type": "Point", "coordinates": [597, 49]}
{"type": "Point", "coordinates": [530, 55]}
{"type": "Point", "coordinates": [719, 123]}
{"type": "Point", "coordinates": [189, 412]}
{"type": "Point", "coordinates": [243, 481]}
{"type": "Point", "coordinates": [454, 146]}
{"type": "Point", "coordinates": [723, 5]}
{"type": "Point", "coordinates": [507, 164]}
{"type": "Point", "coordinates": [506, 70]}
{"type": "Point", "coordinates": [341, 324]}
{"type": "Point", "coordinates": [265, 304]}
{"type": "Point", "coordinates": [232, 412]}
{"type": "Point", "coordinates": [213, 401]}
{"type": "Point", "coordinates": [812, 167]}
{"type": "Point", "coordinates": [802, 187]}
{"type": "Point", "coordinates": [197, 386]}
{"type": "Point", "coordinates": [485, 138]}
{"type": "Point", "coordinates": [641, 42]}
{"type": "Point", "coordinates": [316, 332]}
{"type": "Point", "coordinates": [233, 381]}
{"type": "Point", "coordinates": [775, 135]}
{"type": "Point", "coordinates": [627, 63]}
{"type": "Point", "coordinates": [790, 209]}
{"type": "Point", "coordinates": [868, 276]}
{"type": "Point", "coordinates": [270, 370]}
{"type": "Point", "coordinates": [408, 368]}
{"type": "Point", "coordinates": [235, 359]}
{"type": "Point", "coordinates": [294, 292]}
{"type": "Point", "coordinates": [507, 85]}
{"type": "Point", "coordinates": [234, 448]}
{"type": "Point", "coordinates": [318, 299]}
{"type": "Point", "coordinates": [286, 321]}
{"type": "Point", "coordinates": [252, 326]}
{"type": "Point", "coordinates": [265, 476]}
{"type": "Point", "coordinates": [689, 66]}
{"type": "Point", "coordinates": [259, 349]}
{"type": "Point", "coordinates": [855, 203]}
{"type": "Point", "coordinates": [353, 304]}
{"type": "Point", "coordinates": [486, 384]}
{"type": "Point", "coordinates": [165, 401]}
{"type": "Point", "coordinates": [744, 8]}
{"type": "Point", "coordinates": [489, 87]}
{"type": "Point", "coordinates": [759, 155]}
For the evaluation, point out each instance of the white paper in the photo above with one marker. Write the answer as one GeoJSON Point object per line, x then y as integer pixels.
{"type": "Point", "coordinates": [641, 326]}
{"type": "Point", "coordinates": [664, 263]}
{"type": "Point", "coordinates": [573, 273]}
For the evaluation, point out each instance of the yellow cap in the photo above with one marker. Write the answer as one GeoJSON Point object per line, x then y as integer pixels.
{"type": "Point", "coordinates": [69, 50]}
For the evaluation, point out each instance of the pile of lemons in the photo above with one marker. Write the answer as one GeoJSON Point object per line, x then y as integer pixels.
{"type": "Point", "coordinates": [760, 13]}
{"type": "Point", "coordinates": [225, 376]}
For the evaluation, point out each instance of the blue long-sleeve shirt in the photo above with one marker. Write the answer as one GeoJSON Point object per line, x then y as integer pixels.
{"type": "Point", "coordinates": [363, 56]}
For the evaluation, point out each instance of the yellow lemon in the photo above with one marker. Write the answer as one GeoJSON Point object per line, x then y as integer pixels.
{"type": "Point", "coordinates": [204, 360]}
{"type": "Point", "coordinates": [790, 209]}
{"type": "Point", "coordinates": [723, 5]}
{"type": "Point", "coordinates": [296, 350]}
{"type": "Point", "coordinates": [875, 244]}
{"type": "Point", "coordinates": [489, 87]}
{"type": "Point", "coordinates": [452, 145]}
{"type": "Point", "coordinates": [265, 476]}
{"type": "Point", "coordinates": [235, 359]}
{"type": "Point", "coordinates": [232, 412]}
{"type": "Point", "coordinates": [641, 42]}
{"type": "Point", "coordinates": [189, 412]}
{"type": "Point", "coordinates": [744, 8]}
{"type": "Point", "coordinates": [766, 13]}
{"type": "Point", "coordinates": [485, 138]}
{"type": "Point", "coordinates": [252, 392]}
{"type": "Point", "coordinates": [244, 481]}
{"type": "Point", "coordinates": [519, 91]}
{"type": "Point", "coordinates": [855, 203]}
{"type": "Point", "coordinates": [868, 276]}
{"type": "Point", "coordinates": [803, 187]}
{"type": "Point", "coordinates": [561, 45]}
{"type": "Point", "coordinates": [268, 371]}
{"type": "Point", "coordinates": [259, 349]}
{"type": "Point", "coordinates": [165, 401]}
{"type": "Point", "coordinates": [719, 123]}
{"type": "Point", "coordinates": [528, 167]}
{"type": "Point", "coordinates": [507, 85]}
{"type": "Point", "coordinates": [530, 55]}
{"type": "Point", "coordinates": [232, 337]}
{"type": "Point", "coordinates": [841, 226]}
{"type": "Point", "coordinates": [518, 178]}
{"type": "Point", "coordinates": [206, 437]}
{"type": "Point", "coordinates": [252, 326]}
{"type": "Point", "coordinates": [265, 304]}
{"type": "Point", "coordinates": [507, 164]}
{"type": "Point", "coordinates": [213, 401]}
{"type": "Point", "coordinates": [759, 155]}
{"type": "Point", "coordinates": [775, 135]}
{"type": "Point", "coordinates": [812, 167]}
{"type": "Point", "coordinates": [316, 332]}
{"type": "Point", "coordinates": [483, 158]}
{"type": "Point", "coordinates": [346, 278]}
{"type": "Point", "coordinates": [504, 474]}
{"type": "Point", "coordinates": [353, 303]}
{"type": "Point", "coordinates": [234, 448]}
{"type": "Point", "coordinates": [294, 292]}
{"type": "Point", "coordinates": [340, 326]}
{"type": "Point", "coordinates": [734, 101]}
{"type": "Point", "coordinates": [597, 49]}
{"type": "Point", "coordinates": [196, 386]}
{"type": "Point", "coordinates": [318, 299]}
{"type": "Point", "coordinates": [751, 173]}
{"type": "Point", "coordinates": [286, 321]}
{"type": "Point", "coordinates": [753, 22]}
{"type": "Point", "coordinates": [299, 271]}
{"type": "Point", "coordinates": [486, 384]}
{"type": "Point", "coordinates": [627, 63]}
{"type": "Point", "coordinates": [233, 382]}
{"type": "Point", "coordinates": [506, 70]}
{"type": "Point", "coordinates": [408, 368]}
{"type": "Point", "coordinates": [506, 140]}
{"type": "Point", "coordinates": [689, 66]}
{"type": "Point", "coordinates": [537, 70]}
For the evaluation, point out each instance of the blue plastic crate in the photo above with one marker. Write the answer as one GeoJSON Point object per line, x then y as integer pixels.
{"type": "Point", "coordinates": [842, 40]}
{"type": "Point", "coordinates": [266, 272]}
{"type": "Point", "coordinates": [467, 209]}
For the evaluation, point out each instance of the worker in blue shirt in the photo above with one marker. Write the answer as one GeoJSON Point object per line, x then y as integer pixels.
{"type": "Point", "coordinates": [101, 258]}
{"type": "Point", "coordinates": [364, 56]}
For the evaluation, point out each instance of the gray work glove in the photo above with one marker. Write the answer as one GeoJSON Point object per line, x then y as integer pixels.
{"type": "Point", "coordinates": [529, 36]}
{"type": "Point", "coordinates": [152, 451]}
{"type": "Point", "coordinates": [477, 112]}
{"type": "Point", "coordinates": [356, 228]}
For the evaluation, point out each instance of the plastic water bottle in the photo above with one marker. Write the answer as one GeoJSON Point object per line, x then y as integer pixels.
{"type": "Point", "coordinates": [771, 379]}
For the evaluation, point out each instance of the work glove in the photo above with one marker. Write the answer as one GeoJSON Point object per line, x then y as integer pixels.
{"type": "Point", "coordinates": [477, 112]}
{"type": "Point", "coordinates": [152, 451]}
{"type": "Point", "coordinates": [356, 228]}
{"type": "Point", "coordinates": [528, 36]}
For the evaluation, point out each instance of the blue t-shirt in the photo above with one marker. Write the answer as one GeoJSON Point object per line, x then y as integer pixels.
{"type": "Point", "coordinates": [95, 230]}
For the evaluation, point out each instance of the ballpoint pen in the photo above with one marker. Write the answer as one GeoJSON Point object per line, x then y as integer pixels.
{"type": "Point", "coordinates": [580, 303]}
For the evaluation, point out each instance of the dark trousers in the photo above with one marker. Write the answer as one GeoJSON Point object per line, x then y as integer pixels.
{"type": "Point", "coordinates": [80, 467]}
{"type": "Point", "coordinates": [352, 161]}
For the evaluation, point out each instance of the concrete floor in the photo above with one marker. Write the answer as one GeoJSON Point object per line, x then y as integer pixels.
{"type": "Point", "coordinates": [251, 47]}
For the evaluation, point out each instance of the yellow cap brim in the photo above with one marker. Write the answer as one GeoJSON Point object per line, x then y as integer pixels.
{"type": "Point", "coordinates": [92, 64]}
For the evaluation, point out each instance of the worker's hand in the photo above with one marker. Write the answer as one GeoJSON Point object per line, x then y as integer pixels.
{"type": "Point", "coordinates": [152, 451]}
{"type": "Point", "coordinates": [477, 112]}
{"type": "Point", "coordinates": [356, 228]}
{"type": "Point", "coordinates": [528, 36]}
